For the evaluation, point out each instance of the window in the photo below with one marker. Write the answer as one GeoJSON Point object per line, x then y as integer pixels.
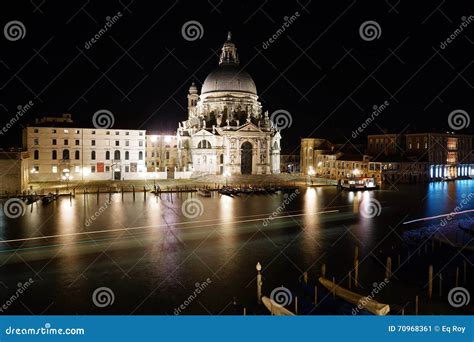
{"type": "Point", "coordinates": [117, 133]}
{"type": "Point", "coordinates": [204, 144]}
{"type": "Point", "coordinates": [35, 141]}
{"type": "Point", "coordinates": [140, 134]}
{"type": "Point", "coordinates": [66, 131]}
{"type": "Point", "coordinates": [92, 168]}
{"type": "Point", "coordinates": [54, 142]}
{"type": "Point", "coordinates": [117, 155]}
{"type": "Point", "coordinates": [66, 154]}
{"type": "Point", "coordinates": [93, 155]}
{"type": "Point", "coordinates": [117, 142]}
{"type": "Point", "coordinates": [77, 155]}
{"type": "Point", "coordinates": [127, 155]}
{"type": "Point", "coordinates": [54, 155]}
{"type": "Point", "coordinates": [107, 168]}
{"type": "Point", "coordinates": [107, 133]}
{"type": "Point", "coordinates": [127, 143]}
{"type": "Point", "coordinates": [54, 169]}
{"type": "Point", "coordinates": [53, 131]}
{"type": "Point", "coordinates": [77, 142]}
{"type": "Point", "coordinates": [127, 168]}
{"type": "Point", "coordinates": [140, 155]}
{"type": "Point", "coordinates": [127, 133]}
{"type": "Point", "coordinates": [140, 143]}
{"type": "Point", "coordinates": [167, 155]}
{"type": "Point", "coordinates": [107, 155]}
{"type": "Point", "coordinates": [93, 142]}
{"type": "Point", "coordinates": [93, 132]}
{"type": "Point", "coordinates": [66, 142]}
{"type": "Point", "coordinates": [77, 131]}
{"type": "Point", "coordinates": [35, 130]}
{"type": "Point", "coordinates": [36, 154]}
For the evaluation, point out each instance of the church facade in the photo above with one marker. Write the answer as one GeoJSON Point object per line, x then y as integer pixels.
{"type": "Point", "coordinates": [226, 131]}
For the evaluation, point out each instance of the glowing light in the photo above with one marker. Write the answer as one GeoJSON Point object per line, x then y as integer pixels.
{"type": "Point", "coordinates": [167, 139]}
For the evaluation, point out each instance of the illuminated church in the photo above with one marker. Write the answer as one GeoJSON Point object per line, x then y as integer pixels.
{"type": "Point", "coordinates": [226, 131]}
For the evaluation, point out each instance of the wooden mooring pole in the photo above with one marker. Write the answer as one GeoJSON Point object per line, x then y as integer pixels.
{"type": "Point", "coordinates": [430, 282]}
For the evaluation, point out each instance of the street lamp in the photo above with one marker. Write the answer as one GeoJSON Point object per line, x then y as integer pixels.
{"type": "Point", "coordinates": [356, 172]}
{"type": "Point", "coordinates": [67, 177]}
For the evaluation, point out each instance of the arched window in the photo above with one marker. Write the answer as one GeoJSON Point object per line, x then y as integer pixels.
{"type": "Point", "coordinates": [36, 154]}
{"type": "Point", "coordinates": [275, 147]}
{"type": "Point", "coordinates": [167, 155]}
{"type": "Point", "coordinates": [77, 155]}
{"type": "Point", "coordinates": [140, 155]}
{"type": "Point", "coordinates": [107, 155]}
{"type": "Point", "coordinates": [127, 155]}
{"type": "Point", "coordinates": [117, 155]}
{"type": "Point", "coordinates": [204, 144]}
{"type": "Point", "coordinates": [54, 155]}
{"type": "Point", "coordinates": [66, 154]}
{"type": "Point", "coordinates": [93, 155]}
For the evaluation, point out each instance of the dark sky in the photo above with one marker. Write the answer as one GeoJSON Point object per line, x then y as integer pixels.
{"type": "Point", "coordinates": [320, 70]}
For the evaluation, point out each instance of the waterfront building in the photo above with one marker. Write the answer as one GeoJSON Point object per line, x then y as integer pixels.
{"type": "Point", "coordinates": [448, 155]}
{"type": "Point", "coordinates": [15, 175]}
{"type": "Point", "coordinates": [61, 152]}
{"type": "Point", "coordinates": [412, 157]}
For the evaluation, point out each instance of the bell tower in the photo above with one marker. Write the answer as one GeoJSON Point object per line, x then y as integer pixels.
{"type": "Point", "coordinates": [193, 98]}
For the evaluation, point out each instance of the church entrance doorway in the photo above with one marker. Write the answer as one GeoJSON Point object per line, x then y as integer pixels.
{"type": "Point", "coordinates": [246, 158]}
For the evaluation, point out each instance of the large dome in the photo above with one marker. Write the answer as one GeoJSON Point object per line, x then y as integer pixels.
{"type": "Point", "coordinates": [229, 78]}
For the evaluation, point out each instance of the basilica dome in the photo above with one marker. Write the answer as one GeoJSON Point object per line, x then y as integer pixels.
{"type": "Point", "coordinates": [229, 78]}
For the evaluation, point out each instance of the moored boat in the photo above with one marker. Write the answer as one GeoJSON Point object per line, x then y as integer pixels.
{"type": "Point", "coordinates": [275, 308]}
{"type": "Point", "coordinates": [204, 193]}
{"type": "Point", "coordinates": [359, 183]}
{"type": "Point", "coordinates": [367, 303]}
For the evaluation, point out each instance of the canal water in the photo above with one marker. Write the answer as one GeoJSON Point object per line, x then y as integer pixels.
{"type": "Point", "coordinates": [187, 254]}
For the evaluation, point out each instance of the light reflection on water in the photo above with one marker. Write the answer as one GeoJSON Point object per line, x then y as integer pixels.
{"type": "Point", "coordinates": [170, 252]}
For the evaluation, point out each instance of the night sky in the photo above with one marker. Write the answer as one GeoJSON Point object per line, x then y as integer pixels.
{"type": "Point", "coordinates": [320, 69]}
